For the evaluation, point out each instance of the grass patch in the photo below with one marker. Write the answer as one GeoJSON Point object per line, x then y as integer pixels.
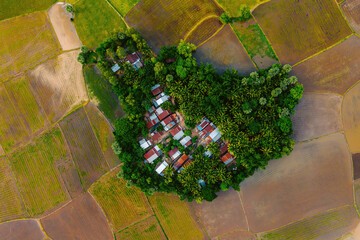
{"type": "Point", "coordinates": [233, 6]}
{"type": "Point", "coordinates": [11, 8]}
{"type": "Point", "coordinates": [95, 20]}
{"type": "Point", "coordinates": [124, 6]}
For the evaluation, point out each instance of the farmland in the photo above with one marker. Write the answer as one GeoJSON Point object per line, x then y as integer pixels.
{"type": "Point", "coordinates": [173, 215]}
{"type": "Point", "coordinates": [123, 206]}
{"type": "Point", "coordinates": [35, 42]}
{"type": "Point", "coordinates": [296, 36]}
{"type": "Point", "coordinates": [351, 9]}
{"type": "Point", "coordinates": [124, 6]}
{"type": "Point", "coordinates": [203, 31]}
{"type": "Point", "coordinates": [21, 229]}
{"type": "Point", "coordinates": [31, 163]}
{"type": "Point", "coordinates": [232, 6]}
{"type": "Point", "coordinates": [11, 8]}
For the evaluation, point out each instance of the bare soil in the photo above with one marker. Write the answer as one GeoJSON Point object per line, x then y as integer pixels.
{"type": "Point", "coordinates": [64, 29]}
{"type": "Point", "coordinates": [81, 219]}
{"type": "Point", "coordinates": [264, 62]}
{"type": "Point", "coordinates": [317, 176]}
{"type": "Point", "coordinates": [238, 235]}
{"type": "Point", "coordinates": [21, 229]}
{"type": "Point", "coordinates": [356, 165]}
{"type": "Point", "coordinates": [351, 9]}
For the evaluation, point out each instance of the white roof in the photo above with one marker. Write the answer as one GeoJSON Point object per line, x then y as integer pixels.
{"type": "Point", "coordinates": [161, 167]}
{"type": "Point", "coordinates": [176, 155]}
{"type": "Point", "coordinates": [208, 153]}
{"type": "Point", "coordinates": [179, 135]}
{"type": "Point", "coordinates": [155, 86]}
{"type": "Point", "coordinates": [185, 140]}
{"type": "Point", "coordinates": [215, 135]}
{"type": "Point", "coordinates": [115, 68]}
{"type": "Point", "coordinates": [152, 158]}
{"type": "Point", "coordinates": [159, 111]}
{"type": "Point", "coordinates": [154, 117]}
{"type": "Point", "coordinates": [162, 99]}
{"type": "Point", "coordinates": [157, 148]}
{"type": "Point", "coordinates": [144, 144]}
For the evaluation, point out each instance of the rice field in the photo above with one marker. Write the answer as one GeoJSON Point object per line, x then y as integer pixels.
{"type": "Point", "coordinates": [84, 147]}
{"type": "Point", "coordinates": [12, 8]}
{"type": "Point", "coordinates": [148, 229]}
{"type": "Point", "coordinates": [100, 12]}
{"type": "Point", "coordinates": [204, 30]}
{"type": "Point", "coordinates": [33, 164]}
{"type": "Point", "coordinates": [11, 205]}
{"type": "Point", "coordinates": [35, 42]}
{"type": "Point", "coordinates": [163, 22]}
{"type": "Point", "coordinates": [123, 206]}
{"type": "Point", "coordinates": [299, 29]}
{"type": "Point", "coordinates": [123, 6]}
{"type": "Point", "coordinates": [351, 9]}
{"type": "Point", "coordinates": [175, 217]}
{"type": "Point", "coordinates": [233, 6]}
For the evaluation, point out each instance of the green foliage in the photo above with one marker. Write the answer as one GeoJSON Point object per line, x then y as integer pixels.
{"type": "Point", "coordinates": [187, 132]}
{"type": "Point", "coordinates": [190, 124]}
{"type": "Point", "coordinates": [225, 18]}
{"type": "Point", "coordinates": [116, 148]}
{"type": "Point", "coordinates": [186, 49]}
{"type": "Point", "coordinates": [244, 12]}
{"type": "Point", "coordinates": [69, 8]}
{"type": "Point", "coordinates": [87, 56]}
{"type": "Point", "coordinates": [120, 52]}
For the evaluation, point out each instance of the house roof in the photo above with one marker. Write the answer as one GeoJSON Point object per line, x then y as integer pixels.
{"type": "Point", "coordinates": [186, 141]}
{"type": "Point", "coordinates": [203, 124]}
{"type": "Point", "coordinates": [215, 135]}
{"type": "Point", "coordinates": [115, 68]}
{"type": "Point", "coordinates": [207, 130]}
{"type": "Point", "coordinates": [208, 153]}
{"type": "Point", "coordinates": [174, 153]}
{"type": "Point", "coordinates": [156, 89]}
{"type": "Point", "coordinates": [156, 135]}
{"type": "Point", "coordinates": [161, 98]}
{"type": "Point", "coordinates": [227, 158]}
{"type": "Point", "coordinates": [180, 161]}
{"type": "Point", "coordinates": [144, 143]}
{"type": "Point", "coordinates": [169, 119]}
{"type": "Point", "coordinates": [223, 149]}
{"type": "Point", "coordinates": [132, 58]}
{"type": "Point", "coordinates": [177, 133]}
{"type": "Point", "coordinates": [161, 113]}
{"type": "Point", "coordinates": [187, 163]}
{"type": "Point", "coordinates": [152, 120]}
{"type": "Point", "coordinates": [162, 167]}
{"type": "Point", "coordinates": [152, 154]}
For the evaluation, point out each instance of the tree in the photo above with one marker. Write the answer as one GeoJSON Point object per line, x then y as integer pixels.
{"type": "Point", "coordinates": [186, 49]}
{"type": "Point", "coordinates": [225, 18]}
{"type": "Point", "coordinates": [69, 8]}
{"type": "Point", "coordinates": [120, 52]}
{"type": "Point", "coordinates": [116, 148]}
{"type": "Point", "coordinates": [187, 132]}
{"type": "Point", "coordinates": [244, 12]}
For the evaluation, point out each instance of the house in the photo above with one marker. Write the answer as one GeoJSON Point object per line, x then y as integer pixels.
{"type": "Point", "coordinates": [187, 163]}
{"type": "Point", "coordinates": [152, 121]}
{"type": "Point", "coordinates": [208, 153]}
{"type": "Point", "coordinates": [201, 183]}
{"type": "Point", "coordinates": [134, 60]}
{"type": "Point", "coordinates": [177, 133]}
{"type": "Point", "coordinates": [170, 122]}
{"type": "Point", "coordinates": [156, 135]}
{"type": "Point", "coordinates": [214, 136]}
{"type": "Point", "coordinates": [161, 113]}
{"type": "Point", "coordinates": [227, 158]}
{"type": "Point", "coordinates": [180, 161]}
{"type": "Point", "coordinates": [156, 89]}
{"type": "Point", "coordinates": [152, 110]}
{"type": "Point", "coordinates": [160, 99]}
{"type": "Point", "coordinates": [152, 154]}
{"type": "Point", "coordinates": [203, 124]}
{"type": "Point", "coordinates": [160, 169]}
{"type": "Point", "coordinates": [115, 68]}
{"type": "Point", "coordinates": [224, 149]}
{"type": "Point", "coordinates": [186, 141]}
{"type": "Point", "coordinates": [174, 153]}
{"type": "Point", "coordinates": [144, 143]}
{"type": "Point", "coordinates": [207, 130]}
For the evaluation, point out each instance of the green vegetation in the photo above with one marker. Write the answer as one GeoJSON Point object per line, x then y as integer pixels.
{"type": "Point", "coordinates": [243, 14]}
{"type": "Point", "coordinates": [11, 8]}
{"type": "Point", "coordinates": [123, 6]}
{"type": "Point", "coordinates": [233, 7]}
{"type": "Point", "coordinates": [95, 19]}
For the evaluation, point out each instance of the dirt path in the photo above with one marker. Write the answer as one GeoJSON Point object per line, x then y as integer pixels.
{"type": "Point", "coordinates": [64, 29]}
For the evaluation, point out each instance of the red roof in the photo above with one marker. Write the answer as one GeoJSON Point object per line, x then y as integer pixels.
{"type": "Point", "coordinates": [161, 113]}
{"type": "Point", "coordinates": [209, 128]}
{"type": "Point", "coordinates": [187, 163]}
{"type": "Point", "coordinates": [204, 123]}
{"type": "Point", "coordinates": [157, 90]}
{"type": "Point", "coordinates": [150, 153]}
{"type": "Point", "coordinates": [188, 143]}
{"type": "Point", "coordinates": [132, 57]}
{"type": "Point", "coordinates": [151, 122]}
{"type": "Point", "coordinates": [223, 149]}
{"type": "Point", "coordinates": [173, 151]}
{"type": "Point", "coordinates": [155, 136]}
{"type": "Point", "coordinates": [175, 130]}
{"type": "Point", "coordinates": [180, 161]}
{"type": "Point", "coordinates": [169, 119]}
{"type": "Point", "coordinates": [227, 157]}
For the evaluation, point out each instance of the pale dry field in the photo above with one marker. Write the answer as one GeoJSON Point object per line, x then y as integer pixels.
{"type": "Point", "coordinates": [351, 9]}
{"type": "Point", "coordinates": [22, 229]}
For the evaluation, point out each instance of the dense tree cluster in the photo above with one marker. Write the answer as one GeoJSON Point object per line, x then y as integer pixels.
{"type": "Point", "coordinates": [242, 15]}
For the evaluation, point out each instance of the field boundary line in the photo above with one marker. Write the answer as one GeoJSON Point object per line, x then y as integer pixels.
{"type": "Point", "coordinates": [324, 50]}
{"type": "Point", "coordinates": [342, 13]}
{"type": "Point", "coordinates": [236, 230]}
{"type": "Point", "coordinates": [341, 2]}
{"type": "Point", "coordinates": [142, 220]}
{"type": "Point", "coordinates": [209, 38]}
{"type": "Point", "coordinates": [122, 18]}
{"type": "Point", "coordinates": [108, 172]}
{"type": "Point", "coordinates": [327, 135]}
{"type": "Point", "coordinates": [351, 87]}
{"type": "Point", "coordinates": [199, 220]}
{"type": "Point", "coordinates": [198, 24]}
{"type": "Point", "coordinates": [242, 205]}
{"type": "Point", "coordinates": [157, 219]}
{"type": "Point", "coordinates": [261, 3]}
{"type": "Point", "coordinates": [52, 28]}
{"type": "Point", "coordinates": [42, 228]}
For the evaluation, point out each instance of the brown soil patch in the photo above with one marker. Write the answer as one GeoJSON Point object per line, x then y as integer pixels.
{"type": "Point", "coordinates": [64, 29]}
{"type": "Point", "coordinates": [238, 235]}
{"type": "Point", "coordinates": [351, 9]}
{"type": "Point", "coordinates": [205, 30]}
{"type": "Point", "coordinates": [333, 71]}
{"type": "Point", "coordinates": [356, 165]}
{"type": "Point", "coordinates": [351, 118]}
{"type": "Point", "coordinates": [223, 51]}
{"type": "Point", "coordinates": [264, 62]}
{"type": "Point", "coordinates": [1, 151]}
{"type": "Point", "coordinates": [80, 219]}
{"type": "Point", "coordinates": [317, 176]}
{"type": "Point", "coordinates": [59, 84]}
{"type": "Point", "coordinates": [224, 214]}
{"type": "Point", "coordinates": [21, 229]}
{"type": "Point", "coordinates": [317, 115]}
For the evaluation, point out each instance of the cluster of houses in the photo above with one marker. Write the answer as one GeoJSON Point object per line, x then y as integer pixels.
{"type": "Point", "coordinates": [134, 59]}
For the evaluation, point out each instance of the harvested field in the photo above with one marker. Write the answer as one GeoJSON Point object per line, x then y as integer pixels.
{"type": "Point", "coordinates": [328, 225]}
{"type": "Point", "coordinates": [317, 115]}
{"type": "Point", "coordinates": [166, 22]}
{"type": "Point", "coordinates": [238, 235]}
{"type": "Point", "coordinates": [123, 206]}
{"type": "Point", "coordinates": [255, 43]}
{"type": "Point", "coordinates": [84, 147]}
{"type": "Point", "coordinates": [59, 84]}
{"type": "Point", "coordinates": [100, 12]}
{"type": "Point", "coordinates": [225, 51]}
{"type": "Point", "coordinates": [351, 9]}
{"type": "Point", "coordinates": [80, 219]}
{"type": "Point", "coordinates": [21, 229]}
{"type": "Point", "coordinates": [1, 151]}
{"type": "Point", "coordinates": [356, 165]}
{"type": "Point", "coordinates": [299, 29]}
{"type": "Point", "coordinates": [357, 192]}
{"type": "Point", "coordinates": [148, 229]}
{"type": "Point", "coordinates": [35, 42]}
{"type": "Point", "coordinates": [224, 214]}
{"type": "Point", "coordinates": [233, 6]}
{"type": "Point", "coordinates": [104, 133]}
{"type": "Point", "coordinates": [11, 206]}
{"type": "Point", "coordinates": [123, 6]}
{"type": "Point", "coordinates": [35, 161]}
{"type": "Point", "coordinates": [175, 217]}
{"type": "Point", "coordinates": [64, 29]}
{"type": "Point", "coordinates": [22, 97]}
{"type": "Point", "coordinates": [205, 30]}
{"type": "Point", "coordinates": [317, 176]}
{"type": "Point", "coordinates": [351, 118]}
{"type": "Point", "coordinates": [339, 67]}
{"type": "Point", "coordinates": [101, 94]}
{"type": "Point", "coordinates": [13, 8]}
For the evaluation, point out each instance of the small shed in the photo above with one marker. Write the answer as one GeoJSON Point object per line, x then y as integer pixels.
{"type": "Point", "coordinates": [115, 68]}
{"type": "Point", "coordinates": [144, 143]}
{"type": "Point", "coordinates": [160, 169]}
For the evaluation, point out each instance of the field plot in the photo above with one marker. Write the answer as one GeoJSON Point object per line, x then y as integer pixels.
{"type": "Point", "coordinates": [351, 9]}
{"type": "Point", "coordinates": [233, 6]}
{"type": "Point", "coordinates": [104, 133]}
{"type": "Point", "coordinates": [175, 217]}
{"type": "Point", "coordinates": [59, 84]}
{"type": "Point", "coordinates": [163, 22]}
{"type": "Point", "coordinates": [84, 147]}
{"type": "Point", "coordinates": [123, 206]}
{"type": "Point", "coordinates": [102, 95]}
{"type": "Point", "coordinates": [317, 115]}
{"type": "Point", "coordinates": [299, 29]}
{"type": "Point", "coordinates": [13, 8]}
{"type": "Point", "coordinates": [35, 42]}
{"type": "Point", "coordinates": [328, 225]}
{"type": "Point", "coordinates": [123, 6]}
{"type": "Point", "coordinates": [225, 51]}
{"type": "Point", "coordinates": [255, 43]}
{"type": "Point", "coordinates": [1, 151]}
{"type": "Point", "coordinates": [35, 162]}
{"type": "Point", "coordinates": [64, 29]}
{"type": "Point", "coordinates": [224, 214]}
{"type": "Point", "coordinates": [11, 206]}
{"type": "Point", "coordinates": [148, 229]}
{"type": "Point", "coordinates": [238, 235]}
{"type": "Point", "coordinates": [106, 18]}
{"type": "Point", "coordinates": [351, 118]}
{"type": "Point", "coordinates": [80, 219]}
{"type": "Point", "coordinates": [356, 165]}
{"type": "Point", "coordinates": [317, 176]}
{"type": "Point", "coordinates": [21, 229]}
{"type": "Point", "coordinates": [333, 71]}
{"type": "Point", "coordinates": [204, 30]}
{"type": "Point", "coordinates": [357, 192]}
